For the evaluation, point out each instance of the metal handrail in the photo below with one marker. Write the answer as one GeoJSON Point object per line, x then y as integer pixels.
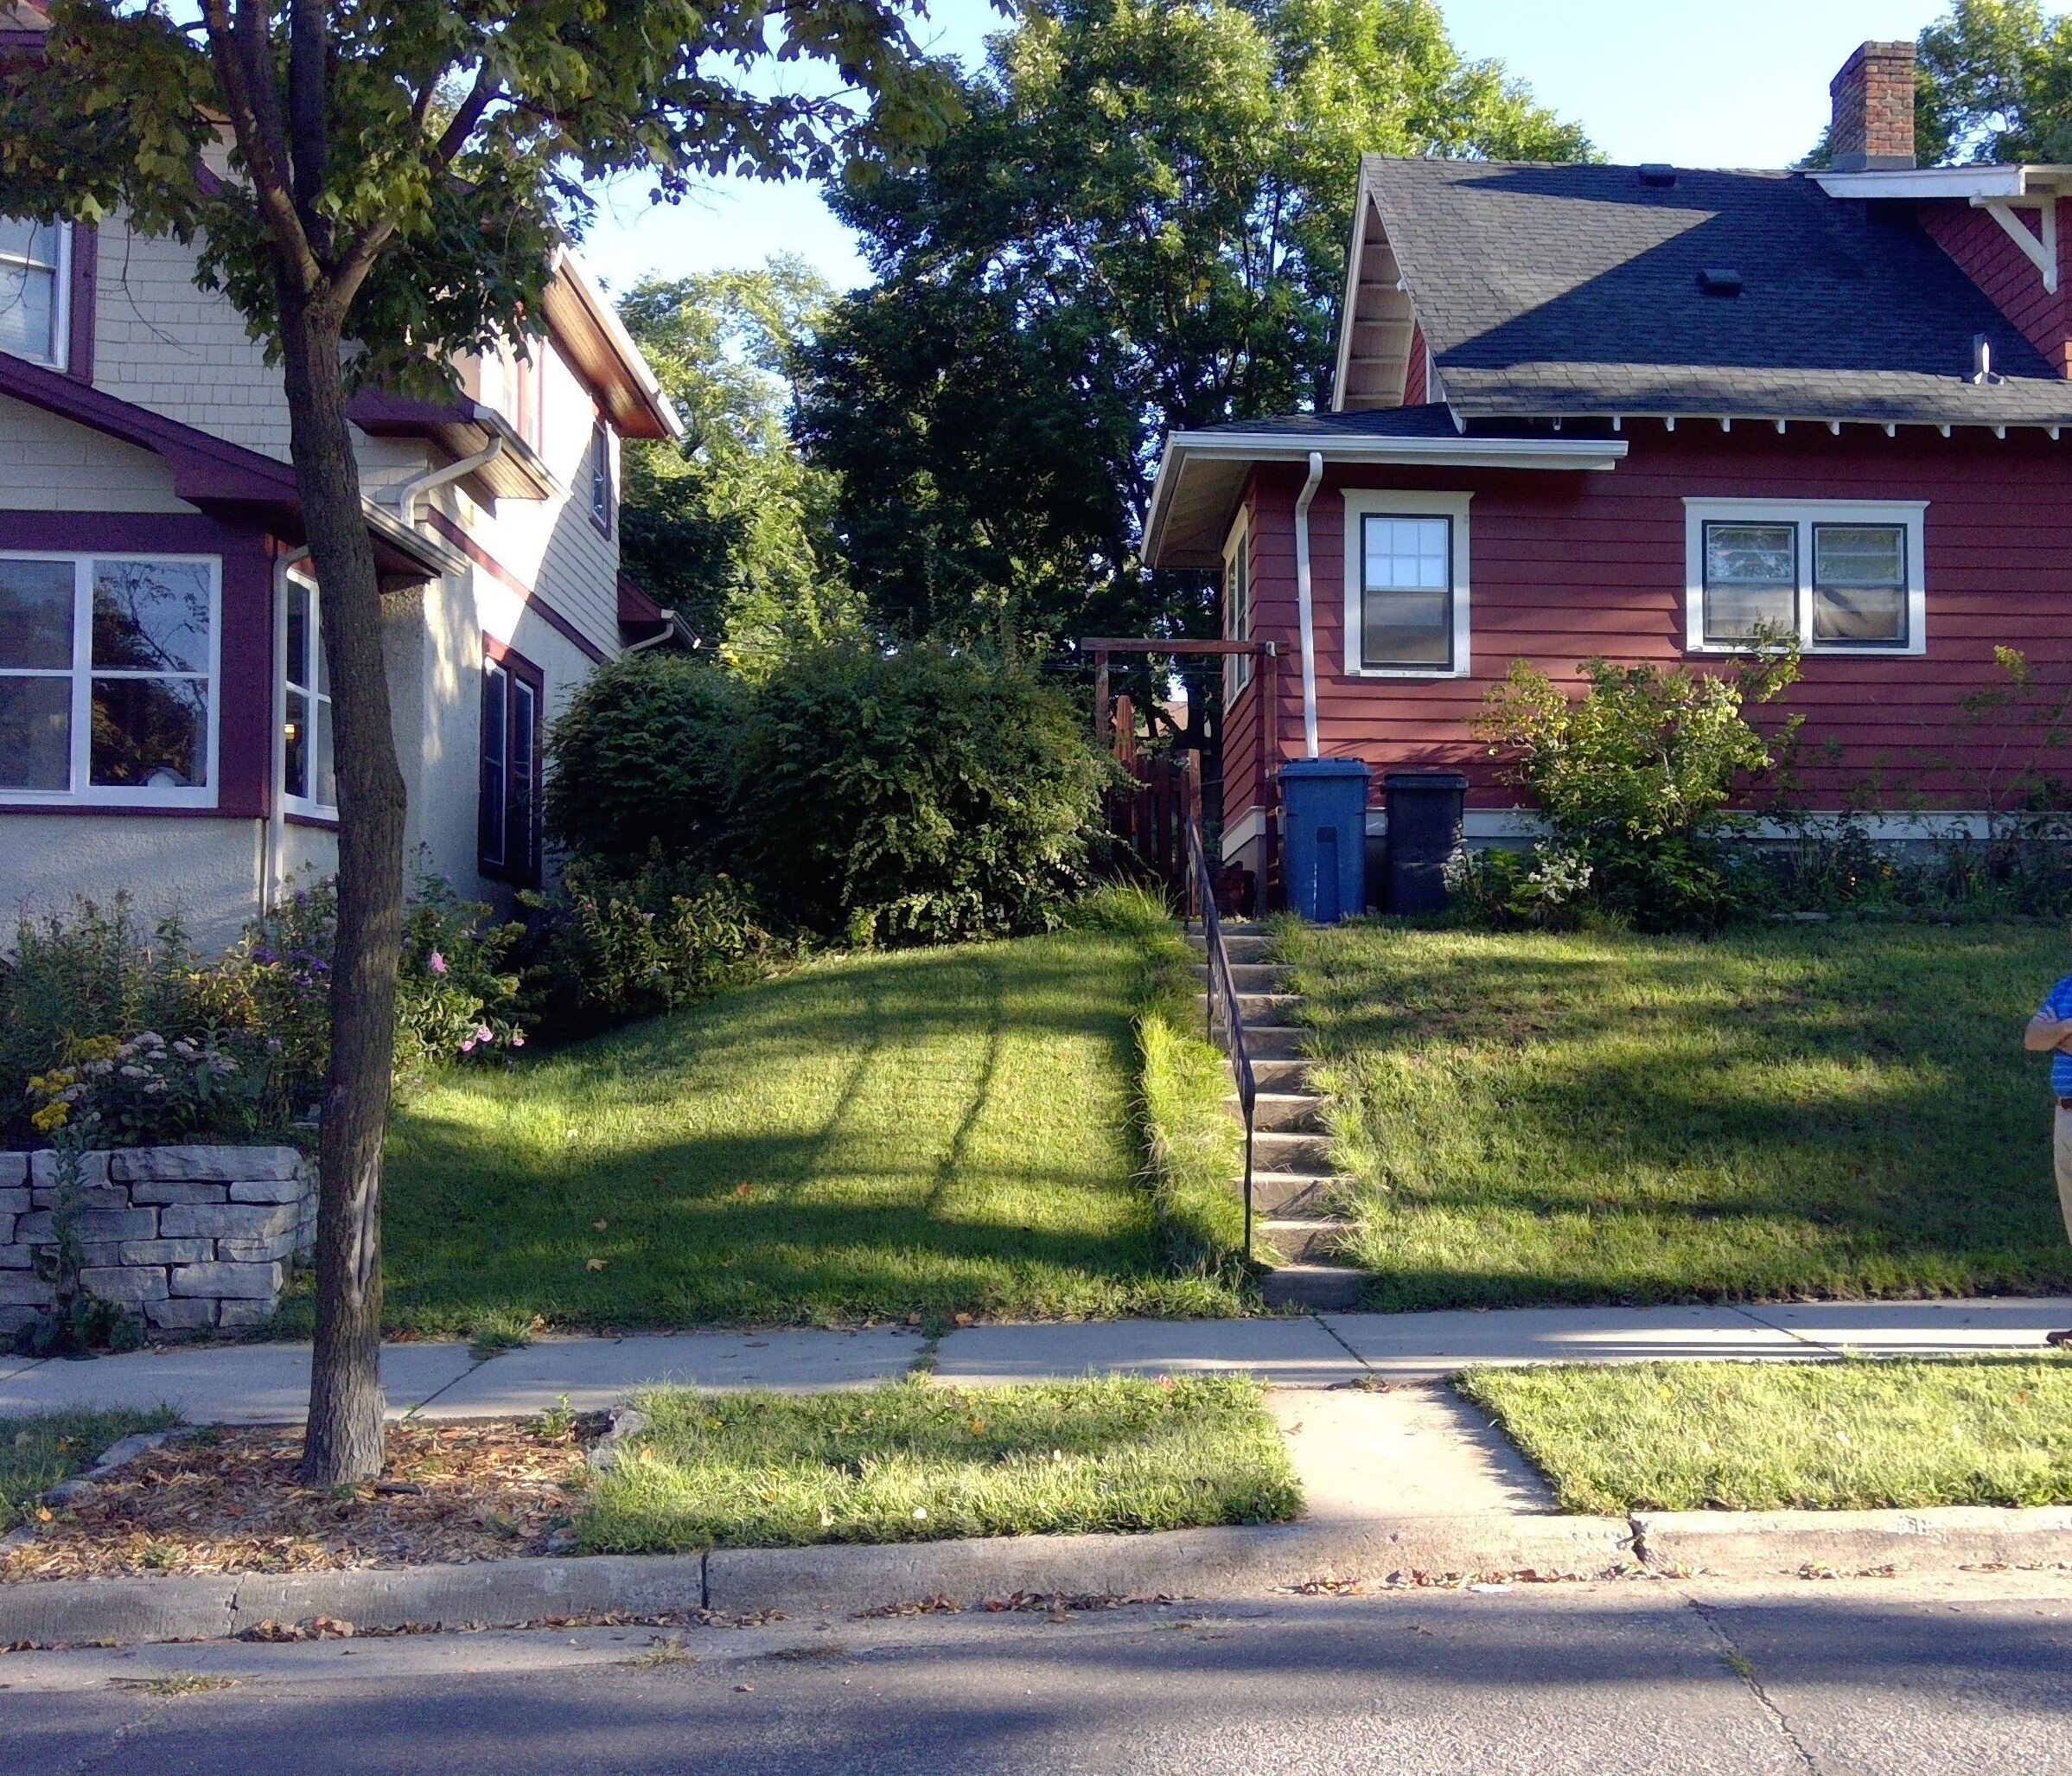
{"type": "Point", "coordinates": [1222, 997]}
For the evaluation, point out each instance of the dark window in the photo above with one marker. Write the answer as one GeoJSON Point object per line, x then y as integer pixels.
{"type": "Point", "coordinates": [507, 840]}
{"type": "Point", "coordinates": [600, 478]}
{"type": "Point", "coordinates": [1860, 585]}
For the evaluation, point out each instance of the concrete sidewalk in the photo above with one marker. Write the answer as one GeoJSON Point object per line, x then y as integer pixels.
{"type": "Point", "coordinates": [254, 1383]}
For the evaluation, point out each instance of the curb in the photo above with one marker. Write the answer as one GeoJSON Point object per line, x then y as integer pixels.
{"type": "Point", "coordinates": [1763, 1544]}
{"type": "Point", "coordinates": [1214, 1562]}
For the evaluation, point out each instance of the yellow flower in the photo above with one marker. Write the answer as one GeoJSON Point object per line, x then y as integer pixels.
{"type": "Point", "coordinates": [51, 1118]}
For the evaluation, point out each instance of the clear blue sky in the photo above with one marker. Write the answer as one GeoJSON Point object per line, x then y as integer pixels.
{"type": "Point", "coordinates": [1730, 83]}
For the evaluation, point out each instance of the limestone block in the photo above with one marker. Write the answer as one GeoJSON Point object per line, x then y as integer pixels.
{"type": "Point", "coordinates": [268, 1250]}
{"type": "Point", "coordinates": [89, 1195]}
{"type": "Point", "coordinates": [14, 1168]}
{"type": "Point", "coordinates": [190, 1251]}
{"type": "Point", "coordinates": [22, 1288]}
{"type": "Point", "coordinates": [43, 1168]}
{"type": "Point", "coordinates": [222, 1165]}
{"type": "Point", "coordinates": [180, 1315]}
{"type": "Point", "coordinates": [244, 1221]}
{"type": "Point", "coordinates": [34, 1229]}
{"type": "Point", "coordinates": [269, 1190]}
{"type": "Point", "coordinates": [176, 1190]}
{"type": "Point", "coordinates": [16, 1257]}
{"type": "Point", "coordinates": [239, 1313]}
{"type": "Point", "coordinates": [97, 1225]}
{"type": "Point", "coordinates": [247, 1282]}
{"type": "Point", "coordinates": [15, 1201]}
{"type": "Point", "coordinates": [130, 1284]}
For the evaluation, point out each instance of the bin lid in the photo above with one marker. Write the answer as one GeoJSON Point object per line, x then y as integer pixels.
{"type": "Point", "coordinates": [1427, 780]}
{"type": "Point", "coordinates": [1328, 768]}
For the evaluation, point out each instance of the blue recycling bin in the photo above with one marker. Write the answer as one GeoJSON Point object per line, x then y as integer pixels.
{"type": "Point", "coordinates": [1325, 803]}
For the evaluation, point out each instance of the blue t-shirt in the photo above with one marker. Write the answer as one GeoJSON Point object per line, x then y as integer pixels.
{"type": "Point", "coordinates": [2058, 1004]}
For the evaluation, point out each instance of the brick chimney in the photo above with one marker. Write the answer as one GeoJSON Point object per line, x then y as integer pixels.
{"type": "Point", "coordinates": [1873, 95]}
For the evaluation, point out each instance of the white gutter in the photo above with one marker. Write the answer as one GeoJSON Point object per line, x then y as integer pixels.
{"type": "Point", "coordinates": [1304, 603]}
{"type": "Point", "coordinates": [407, 496]}
{"type": "Point", "coordinates": [1994, 182]}
{"type": "Point", "coordinates": [276, 812]}
{"type": "Point", "coordinates": [654, 641]}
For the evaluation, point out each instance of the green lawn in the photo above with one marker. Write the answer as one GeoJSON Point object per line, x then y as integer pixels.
{"type": "Point", "coordinates": [1807, 1110]}
{"type": "Point", "coordinates": [936, 1132]}
{"type": "Point", "coordinates": [916, 1462]}
{"type": "Point", "coordinates": [36, 1453]}
{"type": "Point", "coordinates": [1825, 1436]}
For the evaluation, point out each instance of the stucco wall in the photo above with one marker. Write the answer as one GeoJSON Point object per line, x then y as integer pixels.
{"type": "Point", "coordinates": [205, 870]}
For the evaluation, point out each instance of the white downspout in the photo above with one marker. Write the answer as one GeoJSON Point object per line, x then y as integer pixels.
{"type": "Point", "coordinates": [411, 492]}
{"type": "Point", "coordinates": [277, 813]}
{"type": "Point", "coordinates": [1306, 604]}
{"type": "Point", "coordinates": [668, 629]}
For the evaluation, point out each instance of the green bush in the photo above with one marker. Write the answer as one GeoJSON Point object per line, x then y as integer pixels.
{"type": "Point", "coordinates": [641, 759]}
{"type": "Point", "coordinates": [919, 796]}
{"type": "Point", "coordinates": [612, 947]}
{"type": "Point", "coordinates": [1635, 775]}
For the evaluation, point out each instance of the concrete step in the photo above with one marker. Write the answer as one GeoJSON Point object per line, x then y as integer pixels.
{"type": "Point", "coordinates": [1290, 1076]}
{"type": "Point", "coordinates": [1240, 949]}
{"type": "Point", "coordinates": [1315, 1288]}
{"type": "Point", "coordinates": [1283, 1111]}
{"type": "Point", "coordinates": [1302, 1239]}
{"type": "Point", "coordinates": [1275, 1042]}
{"type": "Point", "coordinates": [1293, 1150]}
{"type": "Point", "coordinates": [1295, 1196]}
{"type": "Point", "coordinates": [1268, 1007]}
{"type": "Point", "coordinates": [1249, 977]}
{"type": "Point", "coordinates": [1243, 928]}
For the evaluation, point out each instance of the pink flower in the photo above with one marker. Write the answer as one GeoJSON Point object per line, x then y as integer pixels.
{"type": "Point", "coordinates": [518, 1042]}
{"type": "Point", "coordinates": [468, 1047]}
{"type": "Point", "coordinates": [484, 1034]}
{"type": "Point", "coordinates": [437, 963]}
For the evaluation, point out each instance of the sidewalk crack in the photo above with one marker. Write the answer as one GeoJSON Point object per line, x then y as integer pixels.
{"type": "Point", "coordinates": [473, 1369]}
{"type": "Point", "coordinates": [1811, 1344]}
{"type": "Point", "coordinates": [1743, 1667]}
{"type": "Point", "coordinates": [1332, 1333]}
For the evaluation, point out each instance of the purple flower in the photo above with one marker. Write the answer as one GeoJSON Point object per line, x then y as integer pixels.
{"type": "Point", "coordinates": [438, 964]}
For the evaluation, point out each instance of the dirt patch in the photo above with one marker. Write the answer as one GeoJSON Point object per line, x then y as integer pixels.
{"type": "Point", "coordinates": [228, 1501]}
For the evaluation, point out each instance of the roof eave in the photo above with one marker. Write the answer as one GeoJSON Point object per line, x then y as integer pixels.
{"type": "Point", "coordinates": [582, 319]}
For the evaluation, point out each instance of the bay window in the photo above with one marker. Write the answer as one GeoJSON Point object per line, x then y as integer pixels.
{"type": "Point", "coordinates": [108, 668]}
{"type": "Point", "coordinates": [1842, 577]}
{"type": "Point", "coordinates": [35, 290]}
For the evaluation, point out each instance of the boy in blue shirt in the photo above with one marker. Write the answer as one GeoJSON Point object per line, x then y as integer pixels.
{"type": "Point", "coordinates": [2049, 1032]}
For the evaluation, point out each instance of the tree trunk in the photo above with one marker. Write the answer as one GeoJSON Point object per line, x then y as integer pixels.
{"type": "Point", "coordinates": [346, 1407]}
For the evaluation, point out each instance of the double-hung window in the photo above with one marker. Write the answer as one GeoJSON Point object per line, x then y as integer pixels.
{"type": "Point", "coordinates": [309, 768]}
{"type": "Point", "coordinates": [35, 263]}
{"type": "Point", "coordinates": [508, 837]}
{"type": "Point", "coordinates": [1839, 577]}
{"type": "Point", "coordinates": [108, 666]}
{"type": "Point", "coordinates": [1406, 585]}
{"type": "Point", "coordinates": [1237, 607]}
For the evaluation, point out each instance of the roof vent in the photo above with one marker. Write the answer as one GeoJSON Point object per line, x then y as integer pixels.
{"type": "Point", "coordinates": [1658, 173]}
{"type": "Point", "coordinates": [1982, 371]}
{"type": "Point", "coordinates": [1719, 280]}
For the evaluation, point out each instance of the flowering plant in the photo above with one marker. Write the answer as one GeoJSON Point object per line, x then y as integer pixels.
{"type": "Point", "coordinates": [148, 1090]}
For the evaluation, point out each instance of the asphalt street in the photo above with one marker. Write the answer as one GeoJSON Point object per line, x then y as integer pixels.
{"type": "Point", "coordinates": [1971, 1673]}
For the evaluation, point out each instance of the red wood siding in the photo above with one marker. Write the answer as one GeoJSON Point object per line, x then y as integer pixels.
{"type": "Point", "coordinates": [1416, 387]}
{"type": "Point", "coordinates": [1563, 565]}
{"type": "Point", "coordinates": [2005, 273]}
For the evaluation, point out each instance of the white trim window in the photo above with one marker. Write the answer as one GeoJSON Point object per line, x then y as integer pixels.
{"type": "Point", "coordinates": [109, 666]}
{"type": "Point", "coordinates": [1406, 585]}
{"type": "Point", "coordinates": [309, 769]}
{"type": "Point", "coordinates": [1844, 576]}
{"type": "Point", "coordinates": [1237, 606]}
{"type": "Point", "coordinates": [36, 291]}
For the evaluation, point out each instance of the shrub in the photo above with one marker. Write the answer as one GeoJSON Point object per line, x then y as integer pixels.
{"type": "Point", "coordinates": [920, 796]}
{"type": "Point", "coordinates": [147, 1091]}
{"type": "Point", "coordinates": [641, 759]}
{"type": "Point", "coordinates": [1635, 775]}
{"type": "Point", "coordinates": [611, 946]}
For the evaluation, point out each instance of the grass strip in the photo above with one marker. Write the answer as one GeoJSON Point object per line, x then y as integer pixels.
{"type": "Point", "coordinates": [1816, 1436]}
{"type": "Point", "coordinates": [1789, 1112]}
{"type": "Point", "coordinates": [915, 1461]}
{"type": "Point", "coordinates": [36, 1453]}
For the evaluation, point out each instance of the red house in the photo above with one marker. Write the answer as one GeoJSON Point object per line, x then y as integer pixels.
{"type": "Point", "coordinates": [1638, 412]}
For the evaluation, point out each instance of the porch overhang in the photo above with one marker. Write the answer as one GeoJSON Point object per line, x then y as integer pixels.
{"type": "Point", "coordinates": [1201, 475]}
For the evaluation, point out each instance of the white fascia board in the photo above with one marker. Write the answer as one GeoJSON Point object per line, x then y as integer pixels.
{"type": "Point", "coordinates": [1598, 453]}
{"type": "Point", "coordinates": [568, 265]}
{"type": "Point", "coordinates": [1944, 182]}
{"type": "Point", "coordinates": [1362, 204]}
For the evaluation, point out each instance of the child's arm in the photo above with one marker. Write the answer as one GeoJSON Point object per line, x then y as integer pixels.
{"type": "Point", "coordinates": [2045, 1033]}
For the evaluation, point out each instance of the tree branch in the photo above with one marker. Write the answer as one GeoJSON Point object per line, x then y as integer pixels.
{"type": "Point", "coordinates": [454, 136]}
{"type": "Point", "coordinates": [268, 183]}
{"type": "Point", "coordinates": [308, 117]}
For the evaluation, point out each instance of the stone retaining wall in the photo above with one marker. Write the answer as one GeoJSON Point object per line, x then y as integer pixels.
{"type": "Point", "coordinates": [192, 1237]}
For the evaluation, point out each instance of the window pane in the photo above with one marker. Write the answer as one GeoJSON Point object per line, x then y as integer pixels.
{"type": "Point", "coordinates": [495, 705]}
{"type": "Point", "coordinates": [36, 614]}
{"type": "Point", "coordinates": [1868, 615]}
{"type": "Point", "coordinates": [1860, 555]}
{"type": "Point", "coordinates": [296, 739]}
{"type": "Point", "coordinates": [1409, 554]}
{"type": "Point", "coordinates": [35, 733]}
{"type": "Point", "coordinates": [150, 733]}
{"type": "Point", "coordinates": [28, 300]}
{"type": "Point", "coordinates": [298, 634]}
{"type": "Point", "coordinates": [1408, 629]}
{"type": "Point", "coordinates": [326, 793]}
{"type": "Point", "coordinates": [519, 777]}
{"type": "Point", "coordinates": [151, 616]}
{"type": "Point", "coordinates": [37, 242]}
{"type": "Point", "coordinates": [1751, 579]}
{"type": "Point", "coordinates": [1408, 605]}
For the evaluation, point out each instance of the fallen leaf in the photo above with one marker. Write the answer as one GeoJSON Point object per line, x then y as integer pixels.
{"type": "Point", "coordinates": [595, 1264]}
{"type": "Point", "coordinates": [600, 1225]}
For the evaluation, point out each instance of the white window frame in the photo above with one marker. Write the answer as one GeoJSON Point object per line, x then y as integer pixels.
{"type": "Point", "coordinates": [84, 793]}
{"type": "Point", "coordinates": [1910, 515]}
{"type": "Point", "coordinates": [1237, 548]}
{"type": "Point", "coordinates": [309, 807]}
{"type": "Point", "coordinates": [1362, 503]}
{"type": "Point", "coordinates": [60, 302]}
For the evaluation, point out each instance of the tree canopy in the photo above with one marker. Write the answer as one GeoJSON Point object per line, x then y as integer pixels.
{"type": "Point", "coordinates": [1139, 223]}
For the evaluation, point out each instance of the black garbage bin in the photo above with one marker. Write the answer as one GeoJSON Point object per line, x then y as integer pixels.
{"type": "Point", "coordinates": [1424, 813]}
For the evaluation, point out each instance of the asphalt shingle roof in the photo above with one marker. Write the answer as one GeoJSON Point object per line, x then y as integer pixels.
{"type": "Point", "coordinates": [1550, 289]}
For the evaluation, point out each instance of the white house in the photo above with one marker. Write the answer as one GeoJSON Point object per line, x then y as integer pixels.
{"type": "Point", "coordinates": [163, 723]}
